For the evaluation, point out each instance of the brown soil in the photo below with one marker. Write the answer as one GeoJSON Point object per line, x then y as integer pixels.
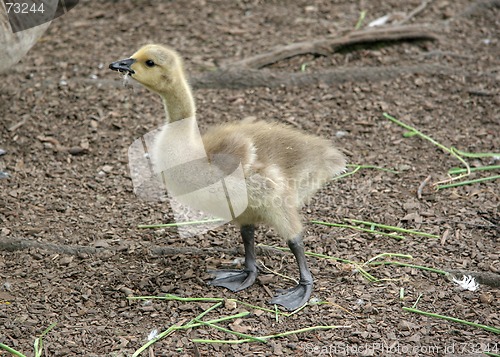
{"type": "Point", "coordinates": [63, 96]}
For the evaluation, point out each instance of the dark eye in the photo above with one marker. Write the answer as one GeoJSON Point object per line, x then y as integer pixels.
{"type": "Point", "coordinates": [149, 63]}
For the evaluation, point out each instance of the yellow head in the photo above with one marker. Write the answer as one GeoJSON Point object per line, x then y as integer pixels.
{"type": "Point", "coordinates": [158, 68]}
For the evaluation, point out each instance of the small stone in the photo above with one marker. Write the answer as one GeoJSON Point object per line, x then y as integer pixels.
{"type": "Point", "coordinates": [486, 298]}
{"type": "Point", "coordinates": [126, 291]}
{"type": "Point", "coordinates": [101, 243]}
{"type": "Point", "coordinates": [230, 304]}
{"type": "Point", "coordinates": [6, 286]}
{"type": "Point", "coordinates": [101, 199]}
{"type": "Point", "coordinates": [311, 8]}
{"type": "Point", "coordinates": [414, 338]}
{"type": "Point", "coordinates": [405, 325]}
{"type": "Point", "coordinates": [66, 260]}
{"type": "Point", "coordinates": [257, 312]}
{"type": "Point", "coordinates": [239, 327]}
{"type": "Point", "coordinates": [340, 134]}
{"type": "Point", "coordinates": [265, 279]}
{"type": "Point", "coordinates": [77, 150]}
{"type": "Point", "coordinates": [404, 167]}
{"type": "Point", "coordinates": [2, 152]}
{"type": "Point", "coordinates": [107, 168]}
{"type": "Point", "coordinates": [277, 349]}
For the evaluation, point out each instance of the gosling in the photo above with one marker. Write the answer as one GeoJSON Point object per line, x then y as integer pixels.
{"type": "Point", "coordinates": [283, 167]}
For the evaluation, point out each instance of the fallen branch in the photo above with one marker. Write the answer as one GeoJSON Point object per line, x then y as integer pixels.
{"type": "Point", "coordinates": [16, 244]}
{"type": "Point", "coordinates": [485, 278]}
{"type": "Point", "coordinates": [249, 78]}
{"type": "Point", "coordinates": [330, 45]}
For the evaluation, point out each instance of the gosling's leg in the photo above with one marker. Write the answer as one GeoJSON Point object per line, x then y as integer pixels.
{"type": "Point", "coordinates": [295, 297]}
{"type": "Point", "coordinates": [236, 280]}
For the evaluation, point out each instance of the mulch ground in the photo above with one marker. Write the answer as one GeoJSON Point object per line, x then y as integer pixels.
{"type": "Point", "coordinates": [71, 251]}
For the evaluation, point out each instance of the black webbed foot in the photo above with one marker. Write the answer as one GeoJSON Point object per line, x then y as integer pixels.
{"type": "Point", "coordinates": [292, 299]}
{"type": "Point", "coordinates": [234, 280]}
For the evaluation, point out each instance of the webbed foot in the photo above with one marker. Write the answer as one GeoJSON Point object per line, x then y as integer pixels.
{"type": "Point", "coordinates": [292, 299]}
{"type": "Point", "coordinates": [234, 280]}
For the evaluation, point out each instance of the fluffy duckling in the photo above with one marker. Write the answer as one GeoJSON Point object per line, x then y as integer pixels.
{"type": "Point", "coordinates": [283, 167]}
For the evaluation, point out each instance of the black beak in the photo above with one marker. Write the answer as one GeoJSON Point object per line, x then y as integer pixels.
{"type": "Point", "coordinates": [123, 66]}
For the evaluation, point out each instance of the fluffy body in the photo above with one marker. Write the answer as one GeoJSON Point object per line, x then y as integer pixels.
{"type": "Point", "coordinates": [283, 168]}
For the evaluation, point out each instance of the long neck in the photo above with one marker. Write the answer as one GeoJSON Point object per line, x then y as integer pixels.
{"type": "Point", "coordinates": [179, 104]}
{"type": "Point", "coordinates": [181, 134]}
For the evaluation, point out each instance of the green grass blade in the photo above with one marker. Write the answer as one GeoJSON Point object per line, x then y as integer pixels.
{"type": "Point", "coordinates": [449, 318]}
{"type": "Point", "coordinates": [173, 328]}
{"type": "Point", "coordinates": [47, 330]}
{"type": "Point", "coordinates": [475, 154]}
{"type": "Point", "coordinates": [383, 255]}
{"type": "Point", "coordinates": [306, 329]}
{"type": "Point", "coordinates": [416, 301]}
{"type": "Point", "coordinates": [222, 342]}
{"type": "Point", "coordinates": [211, 308]}
{"type": "Point", "coordinates": [409, 134]}
{"type": "Point", "coordinates": [356, 168]}
{"type": "Point", "coordinates": [417, 132]}
{"type": "Point", "coordinates": [421, 267]}
{"type": "Point", "coordinates": [11, 350]}
{"type": "Point", "coordinates": [395, 236]}
{"type": "Point", "coordinates": [221, 319]}
{"type": "Point", "coordinates": [428, 138]}
{"type": "Point", "coordinates": [468, 182]}
{"type": "Point", "coordinates": [154, 340]}
{"type": "Point", "coordinates": [361, 18]}
{"type": "Point", "coordinates": [175, 298]}
{"type": "Point", "coordinates": [238, 334]}
{"type": "Point", "coordinates": [38, 345]}
{"type": "Point", "coordinates": [178, 298]}
{"type": "Point", "coordinates": [457, 170]}
{"type": "Point", "coordinates": [283, 334]}
{"type": "Point", "coordinates": [358, 267]}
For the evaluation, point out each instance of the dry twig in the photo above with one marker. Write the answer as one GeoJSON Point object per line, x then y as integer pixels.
{"type": "Point", "coordinates": [422, 186]}
{"type": "Point", "coordinates": [415, 12]}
